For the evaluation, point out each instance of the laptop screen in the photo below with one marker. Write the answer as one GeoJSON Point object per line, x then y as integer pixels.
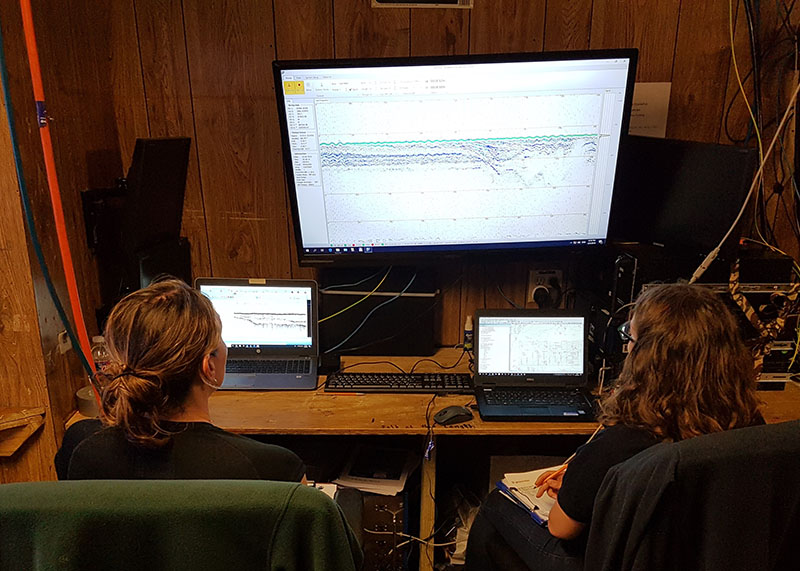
{"type": "Point", "coordinates": [263, 315]}
{"type": "Point", "coordinates": [524, 343]}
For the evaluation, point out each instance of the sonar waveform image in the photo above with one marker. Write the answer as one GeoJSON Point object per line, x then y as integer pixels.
{"type": "Point", "coordinates": [493, 153]}
{"type": "Point", "coordinates": [431, 190]}
{"type": "Point", "coordinates": [513, 162]}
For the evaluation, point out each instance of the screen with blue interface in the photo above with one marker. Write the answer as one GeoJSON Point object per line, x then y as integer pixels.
{"type": "Point", "coordinates": [414, 156]}
{"type": "Point", "coordinates": [258, 316]}
{"type": "Point", "coordinates": [531, 345]}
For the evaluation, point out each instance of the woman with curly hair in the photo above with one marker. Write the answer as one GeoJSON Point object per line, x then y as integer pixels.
{"type": "Point", "coordinates": [167, 357]}
{"type": "Point", "coordinates": [687, 373]}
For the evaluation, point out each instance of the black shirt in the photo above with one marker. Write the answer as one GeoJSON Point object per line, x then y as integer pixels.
{"type": "Point", "coordinates": [197, 451]}
{"type": "Point", "coordinates": [586, 471]}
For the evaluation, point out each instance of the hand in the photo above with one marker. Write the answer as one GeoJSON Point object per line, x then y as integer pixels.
{"type": "Point", "coordinates": [550, 483]}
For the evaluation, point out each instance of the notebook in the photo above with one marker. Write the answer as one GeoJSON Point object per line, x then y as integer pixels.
{"type": "Point", "coordinates": [531, 365]}
{"type": "Point", "coordinates": [270, 329]}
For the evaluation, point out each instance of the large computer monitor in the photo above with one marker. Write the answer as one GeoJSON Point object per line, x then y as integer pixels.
{"type": "Point", "coordinates": [393, 159]}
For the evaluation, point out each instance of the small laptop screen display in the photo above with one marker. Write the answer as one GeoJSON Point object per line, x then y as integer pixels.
{"type": "Point", "coordinates": [257, 316]}
{"type": "Point", "coordinates": [527, 345]}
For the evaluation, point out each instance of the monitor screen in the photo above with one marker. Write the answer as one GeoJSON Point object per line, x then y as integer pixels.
{"type": "Point", "coordinates": [399, 157]}
{"type": "Point", "coordinates": [525, 344]}
{"type": "Point", "coordinates": [256, 316]}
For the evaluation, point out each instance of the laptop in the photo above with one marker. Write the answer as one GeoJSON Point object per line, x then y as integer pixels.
{"type": "Point", "coordinates": [531, 364]}
{"type": "Point", "coordinates": [270, 329]}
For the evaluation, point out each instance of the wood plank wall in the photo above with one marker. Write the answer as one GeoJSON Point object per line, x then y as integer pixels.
{"type": "Point", "coordinates": [136, 68]}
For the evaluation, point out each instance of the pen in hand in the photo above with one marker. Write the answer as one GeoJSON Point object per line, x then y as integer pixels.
{"type": "Point", "coordinates": [545, 485]}
{"type": "Point", "coordinates": [561, 469]}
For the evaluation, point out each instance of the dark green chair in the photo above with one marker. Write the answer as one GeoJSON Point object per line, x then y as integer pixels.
{"type": "Point", "coordinates": [150, 525]}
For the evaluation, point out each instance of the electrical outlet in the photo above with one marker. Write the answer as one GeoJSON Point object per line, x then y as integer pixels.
{"type": "Point", "coordinates": [64, 343]}
{"type": "Point", "coordinates": [545, 286]}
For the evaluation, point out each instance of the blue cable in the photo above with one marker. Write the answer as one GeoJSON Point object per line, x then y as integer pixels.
{"type": "Point", "coordinates": [26, 206]}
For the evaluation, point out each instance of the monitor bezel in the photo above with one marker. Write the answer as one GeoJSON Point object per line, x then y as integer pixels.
{"type": "Point", "coordinates": [432, 255]}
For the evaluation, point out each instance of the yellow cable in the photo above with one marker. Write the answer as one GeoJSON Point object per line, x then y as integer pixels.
{"type": "Point", "coordinates": [744, 97]}
{"type": "Point", "coordinates": [360, 300]}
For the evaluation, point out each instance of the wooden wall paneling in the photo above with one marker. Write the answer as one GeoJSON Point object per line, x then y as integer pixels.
{"type": "Point", "coordinates": [650, 26]}
{"type": "Point", "coordinates": [23, 380]}
{"type": "Point", "coordinates": [74, 49]}
{"type": "Point", "coordinates": [80, 160]}
{"type": "Point", "coordinates": [568, 24]}
{"type": "Point", "coordinates": [437, 32]}
{"type": "Point", "coordinates": [92, 82]}
{"type": "Point", "coordinates": [165, 75]}
{"type": "Point", "coordinates": [501, 26]}
{"type": "Point", "coordinates": [734, 114]}
{"type": "Point", "coordinates": [303, 29]}
{"type": "Point", "coordinates": [450, 326]}
{"type": "Point", "coordinates": [473, 290]}
{"type": "Point", "coordinates": [512, 278]}
{"type": "Point", "coordinates": [363, 31]}
{"type": "Point", "coordinates": [125, 80]}
{"type": "Point", "coordinates": [230, 48]}
{"type": "Point", "coordinates": [702, 59]}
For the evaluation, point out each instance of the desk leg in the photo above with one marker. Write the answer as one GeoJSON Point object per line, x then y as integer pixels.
{"type": "Point", "coordinates": [427, 510]}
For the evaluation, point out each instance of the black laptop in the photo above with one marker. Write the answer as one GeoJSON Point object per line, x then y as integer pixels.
{"type": "Point", "coordinates": [531, 364]}
{"type": "Point", "coordinates": [270, 329]}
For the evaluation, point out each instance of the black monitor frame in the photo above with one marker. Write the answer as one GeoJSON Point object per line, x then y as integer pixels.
{"type": "Point", "coordinates": [428, 254]}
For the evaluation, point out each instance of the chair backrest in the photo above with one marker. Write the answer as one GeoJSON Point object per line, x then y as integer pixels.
{"type": "Point", "coordinates": [727, 501]}
{"type": "Point", "coordinates": [173, 524]}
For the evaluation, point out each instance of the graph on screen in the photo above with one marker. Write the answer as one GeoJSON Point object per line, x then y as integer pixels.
{"type": "Point", "coordinates": [451, 155]}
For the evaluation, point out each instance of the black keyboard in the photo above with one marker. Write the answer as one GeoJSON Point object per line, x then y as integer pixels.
{"type": "Point", "coordinates": [543, 397]}
{"type": "Point", "coordinates": [455, 383]}
{"type": "Point", "coordinates": [270, 366]}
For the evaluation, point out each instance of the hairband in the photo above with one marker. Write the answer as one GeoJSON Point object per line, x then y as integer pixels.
{"type": "Point", "coordinates": [127, 371]}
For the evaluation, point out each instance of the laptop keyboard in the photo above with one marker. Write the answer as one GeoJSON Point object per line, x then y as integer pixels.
{"type": "Point", "coordinates": [269, 366]}
{"type": "Point", "coordinates": [539, 397]}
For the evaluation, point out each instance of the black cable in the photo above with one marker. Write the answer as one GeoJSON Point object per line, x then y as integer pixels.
{"type": "Point", "coordinates": [30, 223]}
{"type": "Point", "coordinates": [438, 364]}
{"type": "Point", "coordinates": [514, 305]}
{"type": "Point", "coordinates": [752, 27]}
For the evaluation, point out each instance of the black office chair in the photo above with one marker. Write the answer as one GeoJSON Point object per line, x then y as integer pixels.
{"type": "Point", "coordinates": [187, 525]}
{"type": "Point", "coordinates": [726, 501]}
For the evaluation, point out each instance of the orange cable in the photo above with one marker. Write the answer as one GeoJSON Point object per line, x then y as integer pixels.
{"type": "Point", "coordinates": [52, 182]}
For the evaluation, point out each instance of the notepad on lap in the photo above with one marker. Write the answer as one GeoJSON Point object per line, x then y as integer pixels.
{"type": "Point", "coordinates": [520, 488]}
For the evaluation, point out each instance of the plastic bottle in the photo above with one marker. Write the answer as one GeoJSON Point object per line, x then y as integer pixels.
{"type": "Point", "coordinates": [468, 336]}
{"type": "Point", "coordinates": [99, 352]}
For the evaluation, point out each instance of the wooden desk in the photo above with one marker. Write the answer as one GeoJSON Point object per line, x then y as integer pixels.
{"type": "Point", "coordinates": [320, 413]}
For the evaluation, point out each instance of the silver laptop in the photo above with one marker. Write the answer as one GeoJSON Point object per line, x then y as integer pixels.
{"type": "Point", "coordinates": [531, 365]}
{"type": "Point", "coordinates": [270, 329]}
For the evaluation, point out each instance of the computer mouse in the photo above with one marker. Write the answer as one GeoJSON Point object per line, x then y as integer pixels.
{"type": "Point", "coordinates": [453, 415]}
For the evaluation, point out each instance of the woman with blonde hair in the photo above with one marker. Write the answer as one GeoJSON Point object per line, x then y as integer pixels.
{"type": "Point", "coordinates": [167, 357]}
{"type": "Point", "coordinates": [687, 373]}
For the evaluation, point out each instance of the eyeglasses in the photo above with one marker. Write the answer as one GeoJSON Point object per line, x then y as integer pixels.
{"type": "Point", "coordinates": [624, 331]}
